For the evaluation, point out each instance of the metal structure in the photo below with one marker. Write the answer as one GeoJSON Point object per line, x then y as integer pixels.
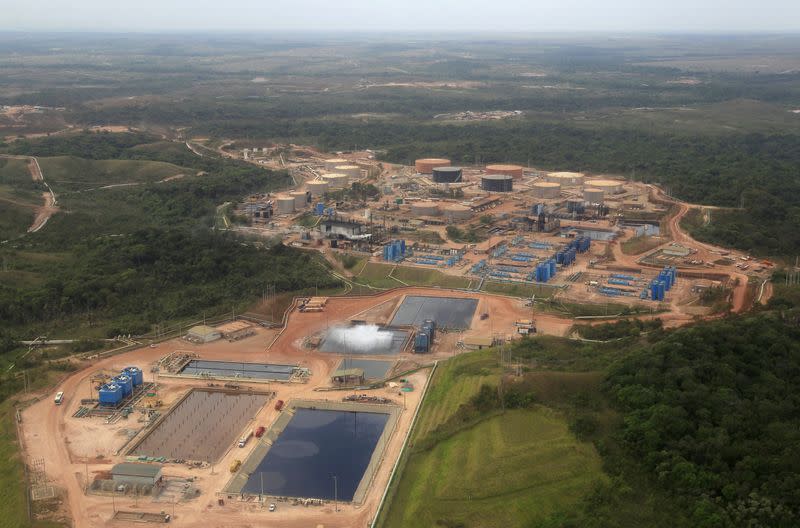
{"type": "Point", "coordinates": [609, 186]}
{"type": "Point", "coordinates": [317, 187]}
{"type": "Point", "coordinates": [284, 204]}
{"type": "Point", "coordinates": [330, 164]}
{"type": "Point", "coordinates": [336, 180]}
{"type": "Point", "coordinates": [565, 178]}
{"type": "Point", "coordinates": [353, 172]}
{"type": "Point", "coordinates": [425, 209]}
{"type": "Point", "coordinates": [593, 195]}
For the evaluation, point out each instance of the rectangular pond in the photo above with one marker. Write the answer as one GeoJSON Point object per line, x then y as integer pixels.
{"type": "Point", "coordinates": [364, 340]}
{"type": "Point", "coordinates": [316, 446]}
{"type": "Point", "coordinates": [237, 369]}
{"type": "Point", "coordinates": [448, 312]}
{"type": "Point", "coordinates": [374, 369]}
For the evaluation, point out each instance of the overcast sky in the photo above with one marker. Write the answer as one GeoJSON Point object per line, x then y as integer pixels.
{"type": "Point", "coordinates": [402, 15]}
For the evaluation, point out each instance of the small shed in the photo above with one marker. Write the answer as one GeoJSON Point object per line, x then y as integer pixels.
{"type": "Point", "coordinates": [477, 342]}
{"type": "Point", "coordinates": [136, 474]}
{"type": "Point", "coordinates": [350, 376]}
{"type": "Point", "coordinates": [203, 334]}
{"type": "Point", "coordinates": [236, 330]}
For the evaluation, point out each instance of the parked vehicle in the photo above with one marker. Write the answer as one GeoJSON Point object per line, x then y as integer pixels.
{"type": "Point", "coordinates": [260, 431]}
{"type": "Point", "coordinates": [279, 405]}
{"type": "Point", "coordinates": [59, 398]}
{"type": "Point", "coordinates": [245, 437]}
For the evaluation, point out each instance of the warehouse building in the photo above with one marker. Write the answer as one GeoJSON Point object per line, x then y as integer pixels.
{"type": "Point", "coordinates": [133, 474]}
{"type": "Point", "coordinates": [203, 334]}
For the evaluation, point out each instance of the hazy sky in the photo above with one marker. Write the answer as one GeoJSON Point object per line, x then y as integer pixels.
{"type": "Point", "coordinates": [402, 15]}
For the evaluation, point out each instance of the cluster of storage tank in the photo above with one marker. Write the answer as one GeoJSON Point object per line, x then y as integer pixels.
{"type": "Point", "coordinates": [566, 256]}
{"type": "Point", "coordinates": [581, 244]}
{"type": "Point", "coordinates": [121, 386]}
{"type": "Point", "coordinates": [394, 250]}
{"type": "Point", "coordinates": [424, 339]}
{"type": "Point", "coordinates": [545, 270]}
{"type": "Point", "coordinates": [664, 282]}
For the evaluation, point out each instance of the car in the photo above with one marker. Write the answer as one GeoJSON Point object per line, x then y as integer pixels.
{"type": "Point", "coordinates": [272, 507]}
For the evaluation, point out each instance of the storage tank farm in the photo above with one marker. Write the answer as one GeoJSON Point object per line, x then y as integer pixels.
{"type": "Point", "coordinates": [424, 338]}
{"type": "Point", "coordinates": [663, 283]}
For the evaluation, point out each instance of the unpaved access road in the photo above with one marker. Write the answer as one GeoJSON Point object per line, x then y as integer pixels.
{"type": "Point", "coordinates": [50, 206]}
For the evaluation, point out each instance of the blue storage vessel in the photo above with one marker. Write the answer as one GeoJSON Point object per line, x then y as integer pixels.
{"type": "Point", "coordinates": [110, 395]}
{"type": "Point", "coordinates": [126, 383]}
{"type": "Point", "coordinates": [135, 373]}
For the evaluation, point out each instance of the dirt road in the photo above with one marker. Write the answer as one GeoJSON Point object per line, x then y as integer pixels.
{"type": "Point", "coordinates": [50, 207]}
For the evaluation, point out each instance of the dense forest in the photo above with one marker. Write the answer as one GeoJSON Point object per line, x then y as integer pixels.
{"type": "Point", "coordinates": [159, 275]}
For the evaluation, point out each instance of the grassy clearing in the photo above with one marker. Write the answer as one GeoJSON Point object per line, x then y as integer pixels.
{"type": "Point", "coordinates": [429, 277]}
{"type": "Point", "coordinates": [514, 469]}
{"type": "Point", "coordinates": [13, 502]}
{"type": "Point", "coordinates": [66, 173]}
{"type": "Point", "coordinates": [641, 244]}
{"type": "Point", "coordinates": [519, 290]}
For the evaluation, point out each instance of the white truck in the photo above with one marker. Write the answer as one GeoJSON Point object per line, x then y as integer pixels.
{"type": "Point", "coordinates": [59, 398]}
{"type": "Point", "coordinates": [245, 437]}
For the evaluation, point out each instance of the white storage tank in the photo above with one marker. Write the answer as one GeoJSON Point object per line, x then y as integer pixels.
{"type": "Point", "coordinates": [546, 190]}
{"type": "Point", "coordinates": [284, 205]}
{"type": "Point", "coordinates": [317, 187]}
{"type": "Point", "coordinates": [331, 164]}
{"type": "Point", "coordinates": [609, 186]}
{"type": "Point", "coordinates": [456, 212]}
{"type": "Point", "coordinates": [336, 180]}
{"type": "Point", "coordinates": [425, 209]}
{"type": "Point", "coordinates": [593, 195]}
{"type": "Point", "coordinates": [566, 179]}
{"type": "Point", "coordinates": [300, 199]}
{"type": "Point", "coordinates": [352, 171]}
{"type": "Point", "coordinates": [426, 165]}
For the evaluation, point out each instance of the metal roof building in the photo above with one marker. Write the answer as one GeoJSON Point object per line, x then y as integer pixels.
{"type": "Point", "coordinates": [203, 334]}
{"type": "Point", "coordinates": [133, 473]}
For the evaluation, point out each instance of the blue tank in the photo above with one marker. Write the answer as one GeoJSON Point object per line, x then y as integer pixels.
{"type": "Point", "coordinates": [135, 373]}
{"type": "Point", "coordinates": [110, 394]}
{"type": "Point", "coordinates": [552, 264]}
{"type": "Point", "coordinates": [662, 288]}
{"type": "Point", "coordinates": [126, 383]}
{"type": "Point", "coordinates": [320, 209]}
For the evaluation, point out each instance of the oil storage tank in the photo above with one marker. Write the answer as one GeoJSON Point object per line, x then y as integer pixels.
{"type": "Point", "coordinates": [546, 189]}
{"type": "Point", "coordinates": [331, 164]}
{"type": "Point", "coordinates": [566, 179]}
{"type": "Point", "coordinates": [353, 172]}
{"type": "Point", "coordinates": [456, 212]}
{"type": "Point", "coordinates": [426, 165]}
{"type": "Point", "coordinates": [317, 187]}
{"type": "Point", "coordinates": [515, 171]}
{"type": "Point", "coordinates": [284, 204]}
{"type": "Point", "coordinates": [300, 199]}
{"type": "Point", "coordinates": [425, 209]}
{"type": "Point", "coordinates": [608, 186]}
{"type": "Point", "coordinates": [135, 373]}
{"type": "Point", "coordinates": [593, 195]}
{"type": "Point", "coordinates": [336, 180]}
{"type": "Point", "coordinates": [497, 182]}
{"type": "Point", "coordinates": [110, 395]}
{"type": "Point", "coordinates": [447, 174]}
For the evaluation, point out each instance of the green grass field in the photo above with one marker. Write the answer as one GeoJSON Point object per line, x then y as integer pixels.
{"type": "Point", "coordinates": [380, 276]}
{"type": "Point", "coordinates": [516, 468]}
{"type": "Point", "coordinates": [513, 469]}
{"type": "Point", "coordinates": [19, 196]}
{"type": "Point", "coordinates": [66, 173]}
{"type": "Point", "coordinates": [519, 290]}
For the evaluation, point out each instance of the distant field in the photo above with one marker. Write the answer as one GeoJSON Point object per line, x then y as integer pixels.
{"type": "Point", "coordinates": [19, 196]}
{"type": "Point", "coordinates": [66, 173]}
